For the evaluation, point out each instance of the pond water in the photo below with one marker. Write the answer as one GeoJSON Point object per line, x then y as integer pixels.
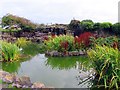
{"type": "Point", "coordinates": [58, 72]}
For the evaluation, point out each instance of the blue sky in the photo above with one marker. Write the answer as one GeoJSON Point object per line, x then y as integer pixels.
{"type": "Point", "coordinates": [61, 11]}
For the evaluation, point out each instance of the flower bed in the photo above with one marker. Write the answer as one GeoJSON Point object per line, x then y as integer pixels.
{"type": "Point", "coordinates": [66, 45]}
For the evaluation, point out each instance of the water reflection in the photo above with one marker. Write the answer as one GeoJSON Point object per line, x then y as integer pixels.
{"type": "Point", "coordinates": [61, 63]}
{"type": "Point", "coordinates": [11, 66]}
{"type": "Point", "coordinates": [81, 64]}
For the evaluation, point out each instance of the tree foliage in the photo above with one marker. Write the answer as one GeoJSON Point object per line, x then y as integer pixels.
{"type": "Point", "coordinates": [87, 25]}
{"type": "Point", "coordinates": [116, 28]}
{"type": "Point", "coordinates": [74, 24]}
{"type": "Point", "coordinates": [75, 27]}
{"type": "Point", "coordinates": [23, 23]}
{"type": "Point", "coordinates": [106, 26]}
{"type": "Point", "coordinates": [97, 26]}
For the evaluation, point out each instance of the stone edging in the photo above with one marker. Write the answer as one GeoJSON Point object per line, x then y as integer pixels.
{"type": "Point", "coordinates": [61, 54]}
{"type": "Point", "coordinates": [19, 82]}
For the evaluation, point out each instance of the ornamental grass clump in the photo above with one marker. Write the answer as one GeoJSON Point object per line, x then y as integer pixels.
{"type": "Point", "coordinates": [21, 42]}
{"type": "Point", "coordinates": [9, 51]}
{"type": "Point", "coordinates": [106, 62]}
{"type": "Point", "coordinates": [110, 41]}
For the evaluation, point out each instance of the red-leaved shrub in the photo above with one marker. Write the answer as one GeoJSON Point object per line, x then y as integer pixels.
{"type": "Point", "coordinates": [64, 45]}
{"type": "Point", "coordinates": [83, 39]}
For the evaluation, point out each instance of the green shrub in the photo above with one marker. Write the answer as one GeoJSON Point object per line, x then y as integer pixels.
{"type": "Point", "coordinates": [108, 41]}
{"type": "Point", "coordinates": [116, 28]}
{"type": "Point", "coordinates": [105, 61]}
{"type": "Point", "coordinates": [60, 43]}
{"type": "Point", "coordinates": [21, 42]}
{"type": "Point", "coordinates": [87, 25]}
{"type": "Point", "coordinates": [23, 23]}
{"type": "Point", "coordinates": [106, 26]}
{"type": "Point", "coordinates": [9, 52]}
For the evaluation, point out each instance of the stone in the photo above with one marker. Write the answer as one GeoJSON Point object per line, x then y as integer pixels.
{"type": "Point", "coordinates": [24, 86]}
{"type": "Point", "coordinates": [19, 82]}
{"type": "Point", "coordinates": [47, 53]}
{"type": "Point", "coordinates": [16, 85]}
{"type": "Point", "coordinates": [5, 85]}
{"type": "Point", "coordinates": [38, 85]}
{"type": "Point", "coordinates": [81, 53]}
{"type": "Point", "coordinates": [55, 54]}
{"type": "Point", "coordinates": [70, 53]}
{"type": "Point", "coordinates": [75, 53]}
{"type": "Point", "coordinates": [9, 78]}
{"type": "Point", "coordinates": [3, 74]}
{"type": "Point", "coordinates": [62, 55]}
{"type": "Point", "coordinates": [23, 81]}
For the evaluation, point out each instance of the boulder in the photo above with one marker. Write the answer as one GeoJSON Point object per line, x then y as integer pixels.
{"type": "Point", "coordinates": [52, 53]}
{"type": "Point", "coordinates": [75, 53]}
{"type": "Point", "coordinates": [23, 81]}
{"type": "Point", "coordinates": [3, 74]}
{"type": "Point", "coordinates": [38, 85]}
{"type": "Point", "coordinates": [55, 53]}
{"type": "Point", "coordinates": [70, 53]}
{"type": "Point", "coordinates": [62, 54]}
{"type": "Point", "coordinates": [81, 53]}
{"type": "Point", "coordinates": [47, 53]}
{"type": "Point", "coordinates": [5, 85]}
{"type": "Point", "coordinates": [19, 82]}
{"type": "Point", "coordinates": [16, 85]}
{"type": "Point", "coordinates": [9, 78]}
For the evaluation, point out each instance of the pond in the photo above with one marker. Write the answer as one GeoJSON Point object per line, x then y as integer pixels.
{"type": "Point", "coordinates": [58, 72]}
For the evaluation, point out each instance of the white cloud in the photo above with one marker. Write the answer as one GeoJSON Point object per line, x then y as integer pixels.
{"type": "Point", "coordinates": [61, 11]}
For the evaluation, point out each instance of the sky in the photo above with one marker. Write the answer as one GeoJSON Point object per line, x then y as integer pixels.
{"type": "Point", "coordinates": [61, 11]}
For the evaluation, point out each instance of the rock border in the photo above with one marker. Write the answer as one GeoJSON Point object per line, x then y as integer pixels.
{"type": "Point", "coordinates": [62, 54]}
{"type": "Point", "coordinates": [19, 82]}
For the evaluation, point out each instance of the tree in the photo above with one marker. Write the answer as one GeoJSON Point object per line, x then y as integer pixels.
{"type": "Point", "coordinates": [96, 26]}
{"type": "Point", "coordinates": [87, 25]}
{"type": "Point", "coordinates": [75, 27]}
{"type": "Point", "coordinates": [116, 28]}
{"type": "Point", "coordinates": [23, 23]}
{"type": "Point", "coordinates": [74, 24]}
{"type": "Point", "coordinates": [106, 26]}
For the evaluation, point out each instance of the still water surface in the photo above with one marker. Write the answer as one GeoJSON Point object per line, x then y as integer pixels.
{"type": "Point", "coordinates": [58, 72]}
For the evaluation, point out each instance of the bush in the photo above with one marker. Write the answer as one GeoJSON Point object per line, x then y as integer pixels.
{"type": "Point", "coordinates": [75, 27]}
{"type": "Point", "coordinates": [83, 41]}
{"type": "Point", "coordinates": [105, 61]}
{"type": "Point", "coordinates": [21, 42]}
{"type": "Point", "coordinates": [23, 23]}
{"type": "Point", "coordinates": [65, 43]}
{"type": "Point", "coordinates": [74, 24]}
{"type": "Point", "coordinates": [9, 52]}
{"type": "Point", "coordinates": [116, 28]}
{"type": "Point", "coordinates": [60, 43]}
{"type": "Point", "coordinates": [87, 25]}
{"type": "Point", "coordinates": [106, 26]}
{"type": "Point", "coordinates": [97, 26]}
{"type": "Point", "coordinates": [108, 41]}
